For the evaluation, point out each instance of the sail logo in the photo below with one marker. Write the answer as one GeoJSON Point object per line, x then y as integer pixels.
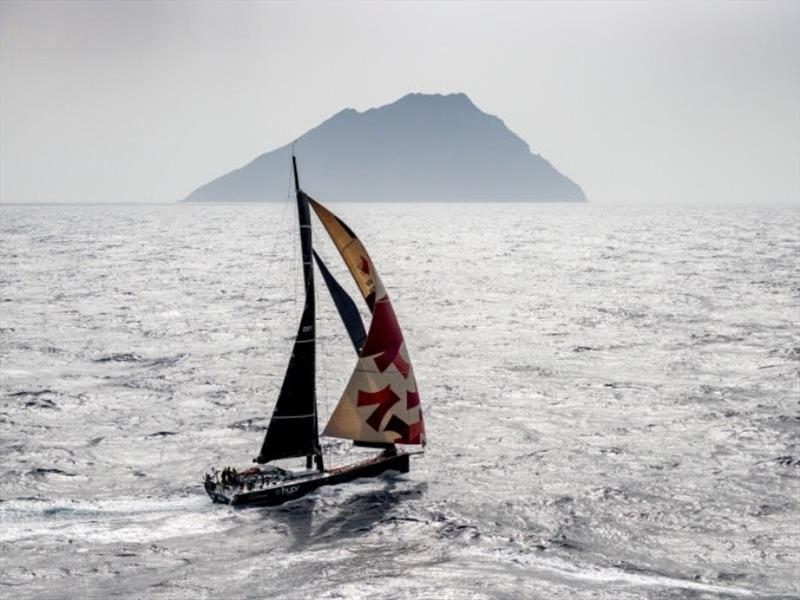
{"type": "Point", "coordinates": [365, 269]}
{"type": "Point", "coordinates": [384, 400]}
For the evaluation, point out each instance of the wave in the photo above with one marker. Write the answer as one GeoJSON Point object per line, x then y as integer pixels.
{"type": "Point", "coordinates": [628, 576]}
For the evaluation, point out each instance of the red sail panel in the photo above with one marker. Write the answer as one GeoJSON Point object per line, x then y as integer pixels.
{"type": "Point", "coordinates": [380, 402]}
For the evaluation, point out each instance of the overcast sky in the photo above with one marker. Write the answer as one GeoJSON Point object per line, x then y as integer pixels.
{"type": "Point", "coordinates": [638, 102]}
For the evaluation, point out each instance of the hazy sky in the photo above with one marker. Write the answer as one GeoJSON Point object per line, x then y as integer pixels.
{"type": "Point", "coordinates": [638, 102]}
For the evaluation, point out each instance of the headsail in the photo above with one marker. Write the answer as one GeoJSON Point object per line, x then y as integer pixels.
{"type": "Point", "coordinates": [380, 403]}
{"type": "Point", "coordinates": [345, 305]}
{"type": "Point", "coordinates": [293, 429]}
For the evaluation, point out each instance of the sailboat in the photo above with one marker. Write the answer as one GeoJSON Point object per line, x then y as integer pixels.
{"type": "Point", "coordinates": [379, 407]}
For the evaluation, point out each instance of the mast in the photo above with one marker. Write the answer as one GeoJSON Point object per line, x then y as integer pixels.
{"type": "Point", "coordinates": [293, 430]}
{"type": "Point", "coordinates": [309, 314]}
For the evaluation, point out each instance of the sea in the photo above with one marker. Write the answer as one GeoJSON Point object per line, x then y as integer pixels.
{"type": "Point", "coordinates": [611, 398]}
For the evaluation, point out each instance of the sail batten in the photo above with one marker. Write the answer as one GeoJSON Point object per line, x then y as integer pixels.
{"type": "Point", "coordinates": [380, 404]}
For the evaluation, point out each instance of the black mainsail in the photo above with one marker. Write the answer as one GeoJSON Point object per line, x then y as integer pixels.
{"type": "Point", "coordinates": [293, 429]}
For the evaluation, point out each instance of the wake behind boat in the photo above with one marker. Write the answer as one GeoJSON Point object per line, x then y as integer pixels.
{"type": "Point", "coordinates": [379, 407]}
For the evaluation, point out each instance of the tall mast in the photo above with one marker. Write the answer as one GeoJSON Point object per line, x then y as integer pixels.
{"type": "Point", "coordinates": [308, 325]}
{"type": "Point", "coordinates": [293, 429]}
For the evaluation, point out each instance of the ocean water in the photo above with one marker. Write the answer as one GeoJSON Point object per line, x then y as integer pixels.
{"type": "Point", "coordinates": [611, 399]}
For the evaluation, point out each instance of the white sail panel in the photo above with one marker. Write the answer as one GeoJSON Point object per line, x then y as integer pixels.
{"type": "Point", "coordinates": [380, 402]}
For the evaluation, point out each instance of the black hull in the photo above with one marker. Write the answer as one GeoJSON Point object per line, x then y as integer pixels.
{"type": "Point", "coordinates": [290, 490]}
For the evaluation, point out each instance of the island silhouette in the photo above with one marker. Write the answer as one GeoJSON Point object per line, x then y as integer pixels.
{"type": "Point", "coordinates": [422, 147]}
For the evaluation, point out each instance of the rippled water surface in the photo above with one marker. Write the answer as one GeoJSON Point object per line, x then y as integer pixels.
{"type": "Point", "coordinates": [611, 401]}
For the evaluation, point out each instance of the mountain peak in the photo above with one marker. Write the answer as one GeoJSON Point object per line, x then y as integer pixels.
{"type": "Point", "coordinates": [420, 147]}
{"type": "Point", "coordinates": [453, 97]}
{"type": "Point", "coordinates": [421, 100]}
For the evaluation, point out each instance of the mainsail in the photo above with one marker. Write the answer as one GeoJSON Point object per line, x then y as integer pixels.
{"type": "Point", "coordinates": [380, 403]}
{"type": "Point", "coordinates": [293, 429]}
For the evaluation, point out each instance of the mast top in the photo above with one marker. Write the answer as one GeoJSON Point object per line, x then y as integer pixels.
{"type": "Point", "coordinates": [294, 168]}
